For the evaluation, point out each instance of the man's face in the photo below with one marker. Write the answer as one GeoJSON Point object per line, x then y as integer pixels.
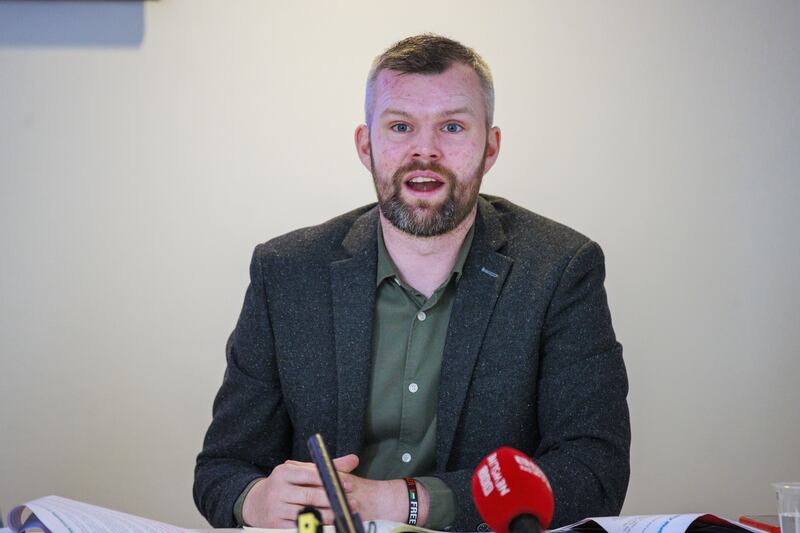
{"type": "Point", "coordinates": [428, 147]}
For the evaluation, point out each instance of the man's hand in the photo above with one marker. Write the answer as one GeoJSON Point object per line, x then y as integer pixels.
{"type": "Point", "coordinates": [384, 500]}
{"type": "Point", "coordinates": [274, 501]}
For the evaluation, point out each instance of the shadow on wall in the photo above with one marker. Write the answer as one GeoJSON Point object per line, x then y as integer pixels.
{"type": "Point", "coordinates": [68, 23]}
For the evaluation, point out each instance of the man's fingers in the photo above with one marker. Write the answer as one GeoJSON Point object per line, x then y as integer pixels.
{"type": "Point", "coordinates": [327, 516]}
{"type": "Point", "coordinates": [305, 495]}
{"type": "Point", "coordinates": [299, 463]}
{"type": "Point", "coordinates": [283, 524]}
{"type": "Point", "coordinates": [346, 463]}
{"type": "Point", "coordinates": [348, 481]}
{"type": "Point", "coordinates": [326, 513]}
{"type": "Point", "coordinates": [294, 485]}
{"type": "Point", "coordinates": [298, 473]}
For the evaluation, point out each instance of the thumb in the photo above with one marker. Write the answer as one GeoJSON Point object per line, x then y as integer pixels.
{"type": "Point", "coordinates": [346, 463]}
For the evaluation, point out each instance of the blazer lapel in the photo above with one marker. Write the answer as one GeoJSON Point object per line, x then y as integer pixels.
{"type": "Point", "coordinates": [353, 293]}
{"type": "Point", "coordinates": [482, 280]}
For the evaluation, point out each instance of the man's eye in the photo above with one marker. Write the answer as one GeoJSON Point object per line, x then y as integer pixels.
{"type": "Point", "coordinates": [453, 128]}
{"type": "Point", "coordinates": [400, 127]}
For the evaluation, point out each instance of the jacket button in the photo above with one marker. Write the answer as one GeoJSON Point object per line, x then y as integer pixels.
{"type": "Point", "coordinates": [483, 526]}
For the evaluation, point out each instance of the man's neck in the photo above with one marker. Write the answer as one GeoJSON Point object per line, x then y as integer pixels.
{"type": "Point", "coordinates": [424, 263]}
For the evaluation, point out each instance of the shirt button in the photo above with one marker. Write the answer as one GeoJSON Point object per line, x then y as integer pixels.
{"type": "Point", "coordinates": [413, 387]}
{"type": "Point", "coordinates": [421, 316]}
{"type": "Point", "coordinates": [406, 457]}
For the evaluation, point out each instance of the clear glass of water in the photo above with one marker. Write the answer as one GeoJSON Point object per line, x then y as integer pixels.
{"type": "Point", "coordinates": [788, 506]}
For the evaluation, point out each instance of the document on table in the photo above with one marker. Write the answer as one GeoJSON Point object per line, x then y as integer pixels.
{"type": "Point", "coordinates": [61, 515]}
{"type": "Point", "coordinates": [677, 523]}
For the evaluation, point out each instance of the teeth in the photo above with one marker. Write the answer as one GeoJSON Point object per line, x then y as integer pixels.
{"type": "Point", "coordinates": [421, 179]}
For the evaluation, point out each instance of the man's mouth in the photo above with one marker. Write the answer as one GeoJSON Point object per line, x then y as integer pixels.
{"type": "Point", "coordinates": [424, 183]}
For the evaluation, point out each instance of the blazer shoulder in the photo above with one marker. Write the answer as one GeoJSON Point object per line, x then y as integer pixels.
{"type": "Point", "coordinates": [322, 242]}
{"type": "Point", "coordinates": [531, 233]}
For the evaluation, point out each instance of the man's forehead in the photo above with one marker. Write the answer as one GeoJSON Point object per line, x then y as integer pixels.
{"type": "Point", "coordinates": [458, 87]}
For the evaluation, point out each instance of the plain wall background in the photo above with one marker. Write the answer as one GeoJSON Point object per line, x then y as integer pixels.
{"type": "Point", "coordinates": [139, 167]}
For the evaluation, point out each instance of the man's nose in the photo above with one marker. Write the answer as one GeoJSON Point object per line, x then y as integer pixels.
{"type": "Point", "coordinates": [426, 146]}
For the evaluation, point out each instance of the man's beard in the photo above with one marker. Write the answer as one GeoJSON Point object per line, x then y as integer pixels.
{"type": "Point", "coordinates": [423, 218]}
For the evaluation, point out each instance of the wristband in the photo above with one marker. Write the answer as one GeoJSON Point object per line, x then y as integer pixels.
{"type": "Point", "coordinates": [413, 502]}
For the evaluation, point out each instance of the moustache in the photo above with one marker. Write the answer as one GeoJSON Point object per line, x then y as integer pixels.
{"type": "Point", "coordinates": [447, 174]}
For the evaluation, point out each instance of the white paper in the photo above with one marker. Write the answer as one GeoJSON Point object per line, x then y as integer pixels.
{"type": "Point", "coordinates": [61, 515]}
{"type": "Point", "coordinates": [676, 523]}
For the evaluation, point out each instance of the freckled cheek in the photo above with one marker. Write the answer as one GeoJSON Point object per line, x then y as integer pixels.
{"type": "Point", "coordinates": [387, 159]}
{"type": "Point", "coordinates": [464, 158]}
{"type": "Point", "coordinates": [388, 154]}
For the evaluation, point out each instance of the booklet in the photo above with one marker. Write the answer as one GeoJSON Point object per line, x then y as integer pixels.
{"type": "Point", "coordinates": [53, 514]}
{"type": "Point", "coordinates": [686, 523]}
{"type": "Point", "coordinates": [676, 523]}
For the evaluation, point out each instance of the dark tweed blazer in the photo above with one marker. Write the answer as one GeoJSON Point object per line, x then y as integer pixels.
{"type": "Point", "coordinates": [530, 361]}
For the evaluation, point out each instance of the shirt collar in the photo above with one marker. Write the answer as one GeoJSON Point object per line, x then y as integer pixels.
{"type": "Point", "coordinates": [386, 268]}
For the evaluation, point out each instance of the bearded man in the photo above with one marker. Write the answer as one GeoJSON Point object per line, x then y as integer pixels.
{"type": "Point", "coordinates": [419, 334]}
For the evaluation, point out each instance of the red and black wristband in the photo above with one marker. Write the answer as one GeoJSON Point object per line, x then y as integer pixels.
{"type": "Point", "coordinates": [413, 501]}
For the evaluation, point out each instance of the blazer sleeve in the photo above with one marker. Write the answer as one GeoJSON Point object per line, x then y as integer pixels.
{"type": "Point", "coordinates": [250, 432]}
{"type": "Point", "coordinates": [583, 423]}
{"type": "Point", "coordinates": [583, 413]}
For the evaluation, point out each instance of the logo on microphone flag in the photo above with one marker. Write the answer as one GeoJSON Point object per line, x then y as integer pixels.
{"type": "Point", "coordinates": [485, 480]}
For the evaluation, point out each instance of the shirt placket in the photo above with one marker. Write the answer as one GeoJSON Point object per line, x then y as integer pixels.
{"type": "Point", "coordinates": [413, 397]}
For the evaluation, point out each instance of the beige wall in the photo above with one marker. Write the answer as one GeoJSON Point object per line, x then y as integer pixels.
{"type": "Point", "coordinates": [136, 176]}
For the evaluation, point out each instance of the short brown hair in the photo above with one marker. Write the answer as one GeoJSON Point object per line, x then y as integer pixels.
{"type": "Point", "coordinates": [430, 54]}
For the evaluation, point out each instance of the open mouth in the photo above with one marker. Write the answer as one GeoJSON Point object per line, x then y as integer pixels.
{"type": "Point", "coordinates": [424, 183]}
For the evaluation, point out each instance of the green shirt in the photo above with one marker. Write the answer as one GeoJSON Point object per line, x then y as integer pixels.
{"type": "Point", "coordinates": [408, 336]}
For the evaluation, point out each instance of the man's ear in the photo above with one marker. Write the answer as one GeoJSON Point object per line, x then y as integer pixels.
{"type": "Point", "coordinates": [363, 147]}
{"type": "Point", "coordinates": [492, 148]}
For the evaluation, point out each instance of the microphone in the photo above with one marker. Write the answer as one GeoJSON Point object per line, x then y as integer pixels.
{"type": "Point", "coordinates": [511, 493]}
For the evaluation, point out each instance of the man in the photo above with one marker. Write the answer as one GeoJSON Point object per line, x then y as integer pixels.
{"type": "Point", "coordinates": [420, 334]}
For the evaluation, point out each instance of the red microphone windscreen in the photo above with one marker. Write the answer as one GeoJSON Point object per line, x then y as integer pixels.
{"type": "Point", "coordinates": [506, 484]}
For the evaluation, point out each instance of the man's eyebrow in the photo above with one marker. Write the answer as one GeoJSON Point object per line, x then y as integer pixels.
{"type": "Point", "coordinates": [391, 111]}
{"type": "Point", "coordinates": [445, 113]}
{"type": "Point", "coordinates": [457, 111]}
